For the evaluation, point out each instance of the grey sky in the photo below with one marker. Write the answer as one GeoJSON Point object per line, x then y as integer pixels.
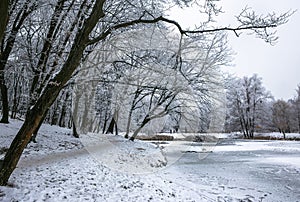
{"type": "Point", "coordinates": [278, 65]}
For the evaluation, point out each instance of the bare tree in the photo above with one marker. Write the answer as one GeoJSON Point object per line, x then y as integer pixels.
{"type": "Point", "coordinates": [245, 100]}
{"type": "Point", "coordinates": [281, 113]}
{"type": "Point", "coordinates": [18, 12]}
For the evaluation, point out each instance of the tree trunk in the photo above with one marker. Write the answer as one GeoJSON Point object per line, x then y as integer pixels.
{"type": "Point", "coordinates": [116, 127]}
{"type": "Point", "coordinates": [4, 5]}
{"type": "Point", "coordinates": [128, 123]}
{"type": "Point", "coordinates": [4, 95]}
{"type": "Point", "coordinates": [75, 133]}
{"type": "Point", "coordinates": [17, 146]}
{"type": "Point", "coordinates": [54, 118]}
{"type": "Point", "coordinates": [15, 99]}
{"type": "Point", "coordinates": [35, 132]}
{"type": "Point", "coordinates": [136, 132]}
{"type": "Point", "coordinates": [62, 122]}
{"type": "Point", "coordinates": [5, 107]}
{"type": "Point", "coordinates": [105, 121]}
{"type": "Point", "coordinates": [111, 126]}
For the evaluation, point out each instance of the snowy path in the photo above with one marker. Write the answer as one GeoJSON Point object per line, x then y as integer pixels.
{"type": "Point", "coordinates": [52, 158]}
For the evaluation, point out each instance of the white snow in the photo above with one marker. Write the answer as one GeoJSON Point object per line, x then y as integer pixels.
{"type": "Point", "coordinates": [291, 161]}
{"type": "Point", "coordinates": [123, 155]}
{"type": "Point", "coordinates": [259, 145]}
{"type": "Point", "coordinates": [59, 167]}
{"type": "Point", "coordinates": [110, 168]}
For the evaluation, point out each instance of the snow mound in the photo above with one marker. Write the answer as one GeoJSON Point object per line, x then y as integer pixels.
{"type": "Point", "coordinates": [123, 155]}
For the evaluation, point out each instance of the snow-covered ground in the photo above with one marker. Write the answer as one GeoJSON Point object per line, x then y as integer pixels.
{"type": "Point", "coordinates": [62, 168]}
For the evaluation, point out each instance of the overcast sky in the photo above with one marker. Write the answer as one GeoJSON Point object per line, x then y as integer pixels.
{"type": "Point", "coordinates": [278, 65]}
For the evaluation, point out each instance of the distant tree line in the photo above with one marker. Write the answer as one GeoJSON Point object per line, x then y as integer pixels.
{"type": "Point", "coordinates": [251, 108]}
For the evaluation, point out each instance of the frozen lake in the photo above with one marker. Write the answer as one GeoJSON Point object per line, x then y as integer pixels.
{"type": "Point", "coordinates": [242, 170]}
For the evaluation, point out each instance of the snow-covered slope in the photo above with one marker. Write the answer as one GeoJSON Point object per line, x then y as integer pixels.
{"type": "Point", "coordinates": [50, 139]}
{"type": "Point", "coordinates": [59, 167]}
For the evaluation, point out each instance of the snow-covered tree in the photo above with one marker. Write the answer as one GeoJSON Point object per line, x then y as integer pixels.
{"type": "Point", "coordinates": [153, 62]}
{"type": "Point", "coordinates": [246, 97]}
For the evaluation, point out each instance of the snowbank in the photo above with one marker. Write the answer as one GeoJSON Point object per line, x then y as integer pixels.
{"type": "Point", "coordinates": [277, 135]}
{"type": "Point", "coordinates": [122, 155]}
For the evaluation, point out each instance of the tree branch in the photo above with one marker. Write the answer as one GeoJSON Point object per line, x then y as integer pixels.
{"type": "Point", "coordinates": [178, 26]}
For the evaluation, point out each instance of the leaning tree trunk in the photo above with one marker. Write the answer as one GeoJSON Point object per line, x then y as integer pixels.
{"type": "Point", "coordinates": [50, 93]}
{"type": "Point", "coordinates": [35, 132]}
{"type": "Point", "coordinates": [19, 143]}
{"type": "Point", "coordinates": [33, 119]}
{"type": "Point", "coordinates": [136, 132]}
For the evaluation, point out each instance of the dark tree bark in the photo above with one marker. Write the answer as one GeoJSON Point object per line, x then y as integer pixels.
{"type": "Point", "coordinates": [35, 132]}
{"type": "Point", "coordinates": [105, 121]}
{"type": "Point", "coordinates": [63, 113]}
{"type": "Point", "coordinates": [4, 5]}
{"type": "Point", "coordinates": [145, 121]}
{"type": "Point", "coordinates": [54, 115]}
{"type": "Point", "coordinates": [5, 107]}
{"type": "Point", "coordinates": [16, 97]}
{"type": "Point", "coordinates": [113, 124]}
{"type": "Point", "coordinates": [75, 133]}
{"type": "Point", "coordinates": [110, 129]}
